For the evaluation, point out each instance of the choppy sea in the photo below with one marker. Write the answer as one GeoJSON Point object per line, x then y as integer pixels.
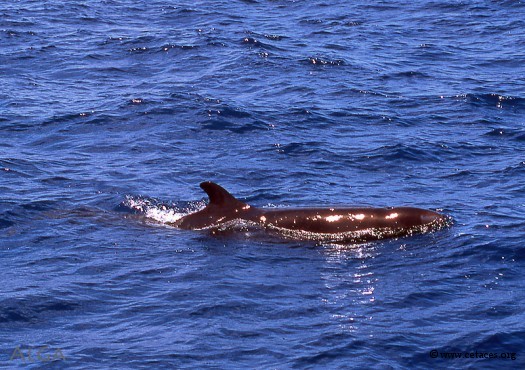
{"type": "Point", "coordinates": [112, 112]}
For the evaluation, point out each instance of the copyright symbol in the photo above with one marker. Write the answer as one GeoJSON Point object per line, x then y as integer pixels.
{"type": "Point", "coordinates": [434, 353]}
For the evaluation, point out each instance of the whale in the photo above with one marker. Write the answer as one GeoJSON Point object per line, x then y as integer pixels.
{"type": "Point", "coordinates": [337, 224]}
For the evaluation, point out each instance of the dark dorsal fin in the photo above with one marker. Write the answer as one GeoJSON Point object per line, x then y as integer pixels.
{"type": "Point", "coordinates": [222, 207]}
{"type": "Point", "coordinates": [219, 196]}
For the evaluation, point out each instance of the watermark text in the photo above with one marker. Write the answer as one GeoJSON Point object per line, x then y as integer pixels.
{"type": "Point", "coordinates": [36, 354]}
{"type": "Point", "coordinates": [475, 354]}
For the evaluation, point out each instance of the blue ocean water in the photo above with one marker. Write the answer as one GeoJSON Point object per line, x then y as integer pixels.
{"type": "Point", "coordinates": [112, 112]}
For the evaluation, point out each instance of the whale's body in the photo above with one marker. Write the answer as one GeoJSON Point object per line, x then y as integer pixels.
{"type": "Point", "coordinates": [331, 224]}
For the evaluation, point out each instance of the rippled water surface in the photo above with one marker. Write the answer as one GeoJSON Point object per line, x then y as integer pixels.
{"type": "Point", "coordinates": [112, 112]}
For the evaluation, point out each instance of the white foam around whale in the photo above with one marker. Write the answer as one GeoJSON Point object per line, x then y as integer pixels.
{"type": "Point", "coordinates": [161, 213]}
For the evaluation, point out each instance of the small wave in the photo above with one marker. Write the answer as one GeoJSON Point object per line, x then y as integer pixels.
{"type": "Point", "coordinates": [310, 21]}
{"type": "Point", "coordinates": [458, 174]}
{"type": "Point", "coordinates": [493, 100]}
{"type": "Point", "coordinates": [5, 223]}
{"type": "Point", "coordinates": [39, 205]}
{"type": "Point", "coordinates": [254, 42]}
{"type": "Point", "coordinates": [221, 124]}
{"type": "Point", "coordinates": [516, 169]}
{"type": "Point", "coordinates": [13, 33]}
{"type": "Point", "coordinates": [518, 135]}
{"type": "Point", "coordinates": [353, 23]}
{"type": "Point", "coordinates": [301, 149]}
{"type": "Point", "coordinates": [274, 37]}
{"type": "Point", "coordinates": [225, 111]}
{"type": "Point", "coordinates": [316, 61]}
{"type": "Point", "coordinates": [11, 171]}
{"type": "Point", "coordinates": [148, 46]}
{"type": "Point", "coordinates": [402, 152]}
{"type": "Point", "coordinates": [33, 308]}
{"type": "Point", "coordinates": [225, 117]}
{"type": "Point", "coordinates": [139, 49]}
{"type": "Point", "coordinates": [406, 75]}
{"type": "Point", "coordinates": [168, 47]}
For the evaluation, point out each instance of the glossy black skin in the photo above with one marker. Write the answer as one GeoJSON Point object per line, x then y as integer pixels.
{"type": "Point", "coordinates": [338, 220]}
{"type": "Point", "coordinates": [223, 207]}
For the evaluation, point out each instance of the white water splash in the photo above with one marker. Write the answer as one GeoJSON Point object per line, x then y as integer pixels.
{"type": "Point", "coordinates": [158, 212]}
{"type": "Point", "coordinates": [163, 215]}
